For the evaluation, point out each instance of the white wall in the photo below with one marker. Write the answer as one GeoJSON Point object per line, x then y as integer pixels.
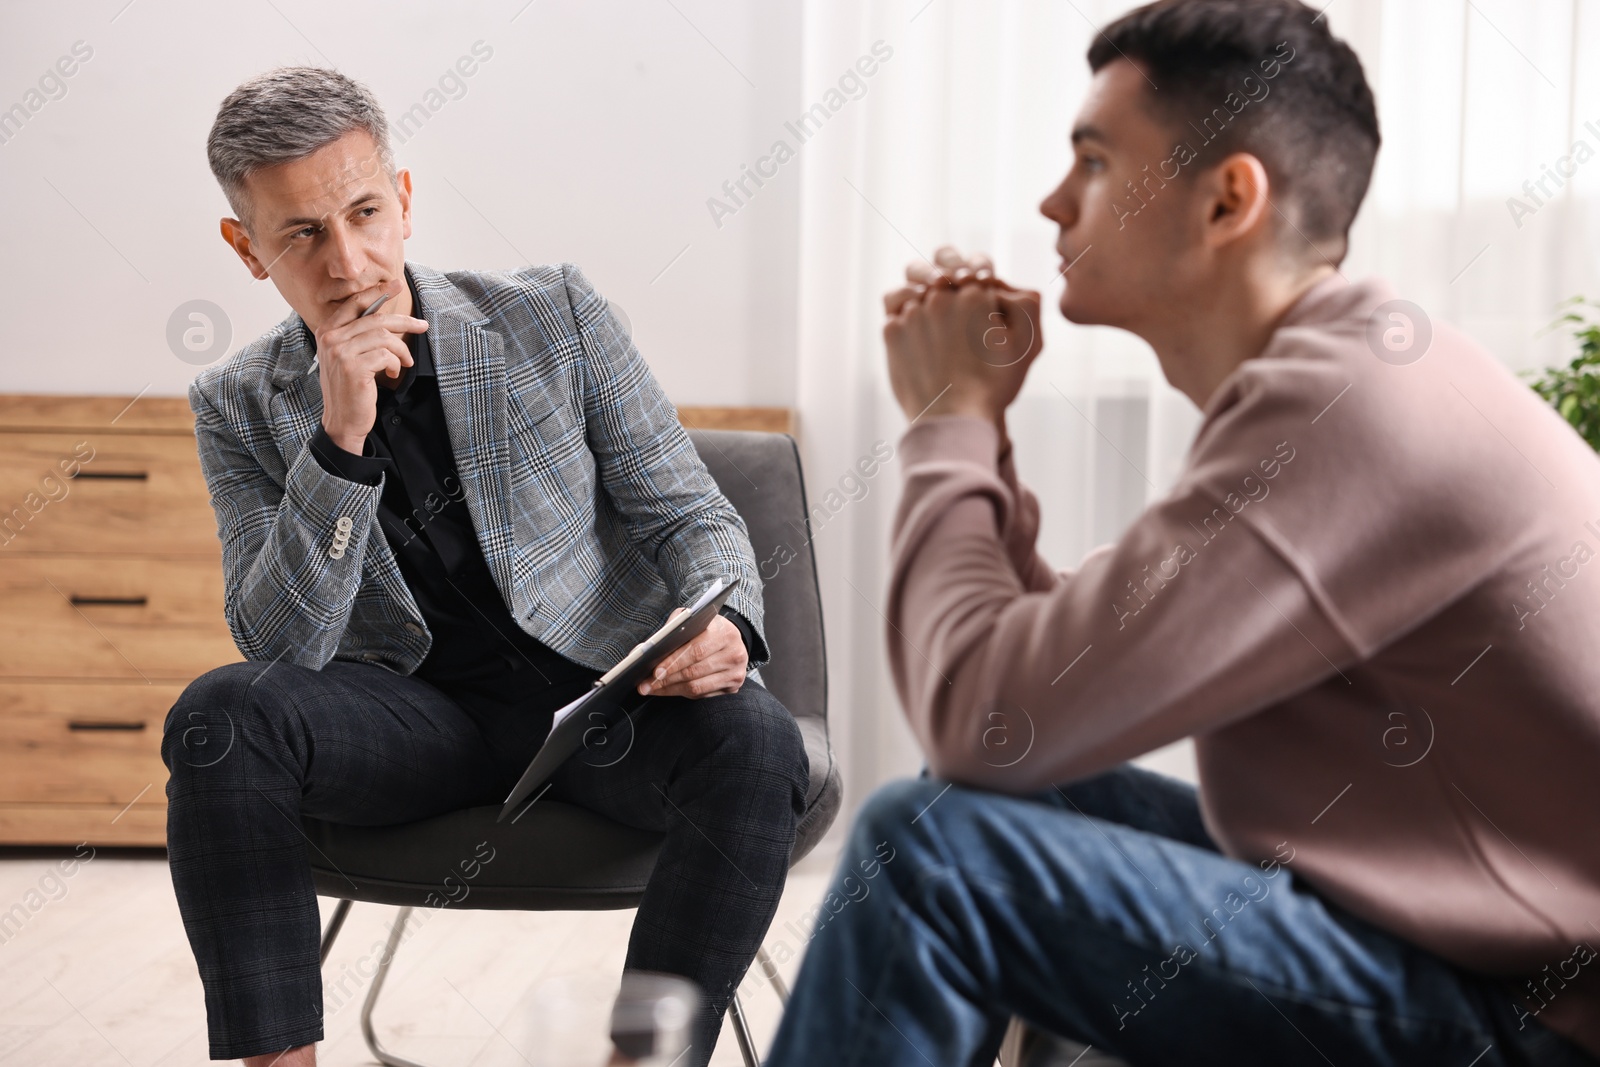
{"type": "Point", "coordinates": [594, 132]}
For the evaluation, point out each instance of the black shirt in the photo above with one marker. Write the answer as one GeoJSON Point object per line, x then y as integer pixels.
{"type": "Point", "coordinates": [477, 644]}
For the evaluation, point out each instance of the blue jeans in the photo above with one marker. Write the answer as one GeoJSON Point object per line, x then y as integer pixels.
{"type": "Point", "coordinates": [1103, 912]}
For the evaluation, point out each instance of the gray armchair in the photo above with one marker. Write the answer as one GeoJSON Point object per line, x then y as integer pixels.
{"type": "Point", "coordinates": [561, 858]}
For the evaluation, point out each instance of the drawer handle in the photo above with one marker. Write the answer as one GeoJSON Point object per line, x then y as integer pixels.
{"type": "Point", "coordinates": [107, 601]}
{"type": "Point", "coordinates": [114, 476]}
{"type": "Point", "coordinates": [81, 725]}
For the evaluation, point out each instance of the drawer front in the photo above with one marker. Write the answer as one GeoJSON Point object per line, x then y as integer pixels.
{"type": "Point", "coordinates": [130, 619]}
{"type": "Point", "coordinates": [83, 743]}
{"type": "Point", "coordinates": [70, 824]}
{"type": "Point", "coordinates": [126, 493]}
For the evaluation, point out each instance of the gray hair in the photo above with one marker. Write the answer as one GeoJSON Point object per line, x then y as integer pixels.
{"type": "Point", "coordinates": [287, 114]}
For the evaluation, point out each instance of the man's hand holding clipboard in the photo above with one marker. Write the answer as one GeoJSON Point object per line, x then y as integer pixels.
{"type": "Point", "coordinates": [712, 664]}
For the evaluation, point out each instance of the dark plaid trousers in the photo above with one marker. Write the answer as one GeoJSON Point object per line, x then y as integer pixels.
{"type": "Point", "coordinates": [251, 747]}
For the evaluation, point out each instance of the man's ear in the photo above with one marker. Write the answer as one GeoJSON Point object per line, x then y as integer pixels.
{"type": "Point", "coordinates": [1238, 203]}
{"type": "Point", "coordinates": [402, 189]}
{"type": "Point", "coordinates": [234, 233]}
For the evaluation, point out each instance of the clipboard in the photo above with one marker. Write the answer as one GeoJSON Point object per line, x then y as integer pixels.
{"type": "Point", "coordinates": [613, 694]}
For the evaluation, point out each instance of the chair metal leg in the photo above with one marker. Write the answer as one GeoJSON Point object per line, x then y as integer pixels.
{"type": "Point", "coordinates": [367, 1031]}
{"type": "Point", "coordinates": [770, 969]}
{"type": "Point", "coordinates": [335, 924]}
{"type": "Point", "coordinates": [741, 1026]}
{"type": "Point", "coordinates": [1016, 1040]}
{"type": "Point", "coordinates": [741, 1030]}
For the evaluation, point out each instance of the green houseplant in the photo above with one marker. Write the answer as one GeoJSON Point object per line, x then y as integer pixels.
{"type": "Point", "coordinates": [1574, 390]}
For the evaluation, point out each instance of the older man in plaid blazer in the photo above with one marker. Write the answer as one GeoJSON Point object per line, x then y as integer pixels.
{"type": "Point", "coordinates": [440, 522]}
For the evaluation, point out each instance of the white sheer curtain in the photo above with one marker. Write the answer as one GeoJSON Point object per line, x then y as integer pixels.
{"type": "Point", "coordinates": [963, 130]}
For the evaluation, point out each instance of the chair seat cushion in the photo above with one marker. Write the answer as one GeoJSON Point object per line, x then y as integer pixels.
{"type": "Point", "coordinates": [554, 857]}
{"type": "Point", "coordinates": [825, 792]}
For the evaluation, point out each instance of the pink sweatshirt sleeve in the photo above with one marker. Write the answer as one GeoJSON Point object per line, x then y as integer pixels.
{"type": "Point", "coordinates": [1015, 681]}
{"type": "Point", "coordinates": [1023, 533]}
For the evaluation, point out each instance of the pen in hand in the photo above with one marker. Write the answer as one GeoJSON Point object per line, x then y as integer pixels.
{"type": "Point", "coordinates": [374, 306]}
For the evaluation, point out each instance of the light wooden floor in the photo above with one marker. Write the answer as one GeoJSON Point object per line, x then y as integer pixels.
{"type": "Point", "coordinates": [101, 972]}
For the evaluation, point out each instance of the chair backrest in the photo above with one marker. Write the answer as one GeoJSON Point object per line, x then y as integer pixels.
{"type": "Point", "coordinates": [760, 475]}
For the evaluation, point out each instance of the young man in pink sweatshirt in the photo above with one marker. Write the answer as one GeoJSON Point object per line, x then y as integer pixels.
{"type": "Point", "coordinates": [1372, 598]}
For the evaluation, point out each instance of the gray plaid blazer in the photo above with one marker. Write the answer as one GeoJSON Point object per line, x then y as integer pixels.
{"type": "Point", "coordinates": [594, 512]}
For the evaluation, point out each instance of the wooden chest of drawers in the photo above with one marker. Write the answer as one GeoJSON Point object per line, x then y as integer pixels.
{"type": "Point", "coordinates": [110, 603]}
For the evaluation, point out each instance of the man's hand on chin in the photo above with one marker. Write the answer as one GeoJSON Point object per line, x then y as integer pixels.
{"type": "Point", "coordinates": [711, 665]}
{"type": "Point", "coordinates": [960, 341]}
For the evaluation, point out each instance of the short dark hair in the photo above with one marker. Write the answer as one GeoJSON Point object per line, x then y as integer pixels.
{"type": "Point", "coordinates": [1315, 126]}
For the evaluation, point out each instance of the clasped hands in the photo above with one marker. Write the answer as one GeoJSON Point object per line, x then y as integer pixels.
{"type": "Point", "coordinates": [960, 340]}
